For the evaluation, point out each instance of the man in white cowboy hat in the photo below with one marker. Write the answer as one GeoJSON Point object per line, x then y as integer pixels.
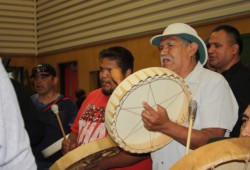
{"type": "Point", "coordinates": [184, 52]}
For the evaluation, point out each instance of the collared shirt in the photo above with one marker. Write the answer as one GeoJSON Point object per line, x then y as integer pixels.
{"type": "Point", "coordinates": [238, 77]}
{"type": "Point", "coordinates": [217, 107]}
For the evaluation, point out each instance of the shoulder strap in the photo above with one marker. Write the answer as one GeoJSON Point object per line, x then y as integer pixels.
{"type": "Point", "coordinates": [54, 102]}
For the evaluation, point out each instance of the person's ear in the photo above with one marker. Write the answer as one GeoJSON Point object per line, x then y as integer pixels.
{"type": "Point", "coordinates": [55, 80]}
{"type": "Point", "coordinates": [128, 72]}
{"type": "Point", "coordinates": [235, 49]}
{"type": "Point", "coordinates": [193, 48]}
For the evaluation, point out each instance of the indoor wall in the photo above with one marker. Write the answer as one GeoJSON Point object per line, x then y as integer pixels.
{"type": "Point", "coordinates": [145, 54]}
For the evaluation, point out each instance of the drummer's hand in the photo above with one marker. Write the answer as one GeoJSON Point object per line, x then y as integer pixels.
{"type": "Point", "coordinates": [154, 120]}
{"type": "Point", "coordinates": [67, 146]}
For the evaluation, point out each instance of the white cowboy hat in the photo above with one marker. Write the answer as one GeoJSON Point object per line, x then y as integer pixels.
{"type": "Point", "coordinates": [186, 32]}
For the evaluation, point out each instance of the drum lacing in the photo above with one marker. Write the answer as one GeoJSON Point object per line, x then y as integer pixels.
{"type": "Point", "coordinates": [247, 163]}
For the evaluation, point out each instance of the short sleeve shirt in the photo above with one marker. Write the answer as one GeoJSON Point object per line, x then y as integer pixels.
{"type": "Point", "coordinates": [217, 107]}
{"type": "Point", "coordinates": [90, 120]}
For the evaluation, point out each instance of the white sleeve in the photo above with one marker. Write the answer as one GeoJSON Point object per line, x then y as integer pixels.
{"type": "Point", "coordinates": [15, 150]}
{"type": "Point", "coordinates": [218, 106]}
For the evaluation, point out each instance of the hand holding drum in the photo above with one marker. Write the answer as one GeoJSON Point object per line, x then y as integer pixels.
{"type": "Point", "coordinates": [156, 86]}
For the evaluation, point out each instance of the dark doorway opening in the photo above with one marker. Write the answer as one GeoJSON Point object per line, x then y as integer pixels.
{"type": "Point", "coordinates": [69, 79]}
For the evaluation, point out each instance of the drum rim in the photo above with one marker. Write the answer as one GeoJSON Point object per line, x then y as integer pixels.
{"type": "Point", "coordinates": [217, 153]}
{"type": "Point", "coordinates": [86, 150]}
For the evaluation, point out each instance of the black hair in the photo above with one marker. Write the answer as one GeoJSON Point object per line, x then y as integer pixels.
{"type": "Point", "coordinates": [233, 32]}
{"type": "Point", "coordinates": [124, 58]}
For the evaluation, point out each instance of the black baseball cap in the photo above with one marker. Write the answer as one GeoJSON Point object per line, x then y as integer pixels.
{"type": "Point", "coordinates": [43, 69]}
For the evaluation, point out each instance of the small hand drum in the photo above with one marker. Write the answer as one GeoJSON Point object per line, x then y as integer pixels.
{"type": "Point", "coordinates": [154, 85]}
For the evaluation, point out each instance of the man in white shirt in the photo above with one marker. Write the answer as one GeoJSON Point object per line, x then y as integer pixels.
{"type": "Point", "coordinates": [184, 52]}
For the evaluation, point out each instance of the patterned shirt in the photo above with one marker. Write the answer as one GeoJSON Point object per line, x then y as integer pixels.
{"type": "Point", "coordinates": [90, 122]}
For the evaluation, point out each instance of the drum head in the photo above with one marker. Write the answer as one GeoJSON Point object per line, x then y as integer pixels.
{"type": "Point", "coordinates": [154, 85]}
{"type": "Point", "coordinates": [227, 154]}
{"type": "Point", "coordinates": [86, 154]}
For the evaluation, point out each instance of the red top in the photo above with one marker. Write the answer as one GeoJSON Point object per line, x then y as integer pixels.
{"type": "Point", "coordinates": [90, 124]}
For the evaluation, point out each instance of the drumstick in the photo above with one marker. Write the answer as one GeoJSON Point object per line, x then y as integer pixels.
{"type": "Point", "coordinates": [192, 114]}
{"type": "Point", "coordinates": [55, 109]}
{"type": "Point", "coordinates": [116, 75]}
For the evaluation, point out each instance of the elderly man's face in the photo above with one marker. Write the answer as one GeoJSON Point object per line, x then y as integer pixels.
{"type": "Point", "coordinates": [245, 128]}
{"type": "Point", "coordinates": [176, 54]}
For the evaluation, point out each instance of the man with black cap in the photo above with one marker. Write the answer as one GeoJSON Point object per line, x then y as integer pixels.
{"type": "Point", "coordinates": [45, 79]}
{"type": "Point", "coordinates": [184, 52]}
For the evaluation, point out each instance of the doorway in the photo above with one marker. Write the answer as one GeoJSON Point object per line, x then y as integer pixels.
{"type": "Point", "coordinates": [69, 79]}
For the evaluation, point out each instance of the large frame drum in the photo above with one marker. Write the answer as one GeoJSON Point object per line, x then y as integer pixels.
{"type": "Point", "coordinates": [155, 85]}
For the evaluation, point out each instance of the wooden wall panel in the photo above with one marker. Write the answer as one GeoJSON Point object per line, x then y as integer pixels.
{"type": "Point", "coordinates": [17, 27]}
{"type": "Point", "coordinates": [83, 23]}
{"type": "Point", "coordinates": [145, 54]}
{"type": "Point", "coordinates": [42, 27]}
{"type": "Point", "coordinates": [86, 54]}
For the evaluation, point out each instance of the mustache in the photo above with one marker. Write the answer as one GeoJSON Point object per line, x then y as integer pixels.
{"type": "Point", "coordinates": [166, 57]}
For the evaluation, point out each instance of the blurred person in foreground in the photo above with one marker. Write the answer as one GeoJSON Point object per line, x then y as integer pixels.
{"type": "Point", "coordinates": [15, 150]}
